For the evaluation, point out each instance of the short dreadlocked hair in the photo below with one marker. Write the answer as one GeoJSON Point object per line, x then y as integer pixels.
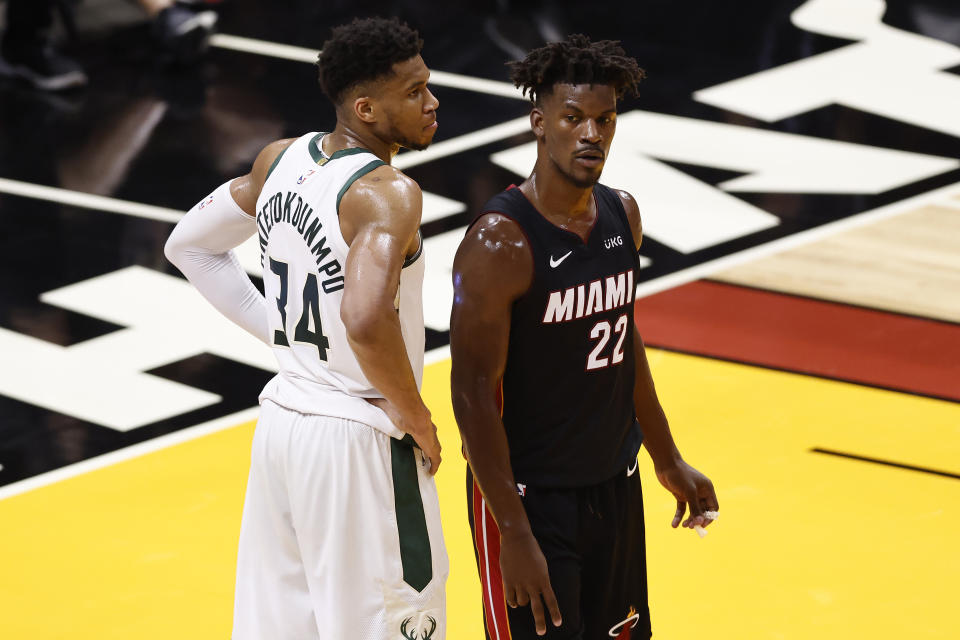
{"type": "Point", "coordinates": [364, 50]}
{"type": "Point", "coordinates": [576, 60]}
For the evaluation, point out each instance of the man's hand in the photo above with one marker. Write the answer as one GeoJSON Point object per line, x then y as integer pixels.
{"type": "Point", "coordinates": [526, 579]}
{"type": "Point", "coordinates": [421, 427]}
{"type": "Point", "coordinates": [691, 489]}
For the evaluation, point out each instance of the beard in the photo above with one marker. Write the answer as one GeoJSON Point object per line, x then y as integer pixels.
{"type": "Point", "coordinates": [581, 181]}
{"type": "Point", "coordinates": [413, 146]}
{"type": "Point", "coordinates": [584, 183]}
{"type": "Point", "coordinates": [407, 143]}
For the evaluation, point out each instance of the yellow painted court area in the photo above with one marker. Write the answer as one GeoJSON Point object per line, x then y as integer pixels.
{"type": "Point", "coordinates": [807, 545]}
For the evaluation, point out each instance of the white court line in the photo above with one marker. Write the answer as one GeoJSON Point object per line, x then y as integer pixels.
{"type": "Point", "coordinates": [305, 54]}
{"type": "Point", "coordinates": [127, 207]}
{"type": "Point", "coordinates": [462, 143]}
{"type": "Point", "coordinates": [436, 355]}
{"type": "Point", "coordinates": [480, 85]}
{"type": "Point", "coordinates": [89, 201]}
{"type": "Point", "coordinates": [953, 203]}
{"type": "Point", "coordinates": [690, 274]}
{"type": "Point", "coordinates": [128, 453]}
{"type": "Point", "coordinates": [264, 48]}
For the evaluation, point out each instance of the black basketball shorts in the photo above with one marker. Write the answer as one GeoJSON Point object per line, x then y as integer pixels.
{"type": "Point", "coordinates": [593, 540]}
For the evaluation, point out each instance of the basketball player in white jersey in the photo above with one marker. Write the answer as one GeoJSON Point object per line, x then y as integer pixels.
{"type": "Point", "coordinates": [341, 533]}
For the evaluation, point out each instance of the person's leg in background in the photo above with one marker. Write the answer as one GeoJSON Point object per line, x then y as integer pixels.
{"type": "Point", "coordinates": [182, 32]}
{"type": "Point", "coordinates": [27, 51]}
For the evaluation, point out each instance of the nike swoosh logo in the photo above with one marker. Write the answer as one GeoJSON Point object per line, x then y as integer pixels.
{"type": "Point", "coordinates": [556, 263]}
{"type": "Point", "coordinates": [633, 469]}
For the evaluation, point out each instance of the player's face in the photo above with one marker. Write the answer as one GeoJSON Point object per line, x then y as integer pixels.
{"type": "Point", "coordinates": [575, 126]}
{"type": "Point", "coordinates": [410, 108]}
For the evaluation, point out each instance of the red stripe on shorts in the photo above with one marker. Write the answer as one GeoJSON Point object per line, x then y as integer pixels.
{"type": "Point", "coordinates": [487, 539]}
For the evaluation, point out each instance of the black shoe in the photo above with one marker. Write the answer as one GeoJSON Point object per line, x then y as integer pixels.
{"type": "Point", "coordinates": [184, 34]}
{"type": "Point", "coordinates": [43, 67]}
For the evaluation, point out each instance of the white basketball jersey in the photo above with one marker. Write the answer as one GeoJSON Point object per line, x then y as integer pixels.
{"type": "Point", "coordinates": [303, 254]}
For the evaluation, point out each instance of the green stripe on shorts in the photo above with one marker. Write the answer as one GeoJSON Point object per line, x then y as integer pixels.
{"type": "Point", "coordinates": [415, 553]}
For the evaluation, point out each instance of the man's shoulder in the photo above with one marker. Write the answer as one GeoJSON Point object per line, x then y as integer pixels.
{"type": "Point", "coordinates": [498, 241]}
{"type": "Point", "coordinates": [626, 199]}
{"type": "Point", "coordinates": [383, 196]}
{"type": "Point", "coordinates": [386, 181]}
{"type": "Point", "coordinates": [629, 205]}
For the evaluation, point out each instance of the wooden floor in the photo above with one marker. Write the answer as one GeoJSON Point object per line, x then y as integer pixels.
{"type": "Point", "coordinates": [909, 264]}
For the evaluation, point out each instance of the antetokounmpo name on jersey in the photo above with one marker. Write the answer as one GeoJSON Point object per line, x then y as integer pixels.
{"type": "Point", "coordinates": [589, 298]}
{"type": "Point", "coordinates": [292, 209]}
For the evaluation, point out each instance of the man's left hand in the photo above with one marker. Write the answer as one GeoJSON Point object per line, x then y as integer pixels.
{"type": "Point", "coordinates": [692, 490]}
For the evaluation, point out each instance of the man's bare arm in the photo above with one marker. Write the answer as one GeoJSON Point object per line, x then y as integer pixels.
{"type": "Point", "coordinates": [493, 267]}
{"type": "Point", "coordinates": [380, 216]}
{"type": "Point", "coordinates": [691, 488]}
{"type": "Point", "coordinates": [246, 189]}
{"type": "Point", "coordinates": [657, 437]}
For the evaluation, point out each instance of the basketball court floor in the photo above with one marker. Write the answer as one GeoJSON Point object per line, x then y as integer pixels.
{"type": "Point", "coordinates": [796, 164]}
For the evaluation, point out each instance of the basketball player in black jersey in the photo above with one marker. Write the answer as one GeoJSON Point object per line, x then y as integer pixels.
{"type": "Point", "coordinates": [551, 386]}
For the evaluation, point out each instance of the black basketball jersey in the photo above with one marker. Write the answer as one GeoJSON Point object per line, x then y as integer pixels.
{"type": "Point", "coordinates": [567, 391]}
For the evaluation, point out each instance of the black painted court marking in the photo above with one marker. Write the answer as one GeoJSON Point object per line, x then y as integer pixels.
{"type": "Point", "coordinates": [840, 454]}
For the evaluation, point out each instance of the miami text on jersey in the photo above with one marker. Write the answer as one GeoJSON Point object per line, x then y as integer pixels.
{"type": "Point", "coordinates": [589, 298]}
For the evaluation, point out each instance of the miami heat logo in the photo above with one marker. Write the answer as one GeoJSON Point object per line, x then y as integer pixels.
{"type": "Point", "coordinates": [621, 630]}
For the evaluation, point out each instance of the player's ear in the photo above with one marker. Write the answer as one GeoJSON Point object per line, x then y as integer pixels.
{"type": "Point", "coordinates": [364, 109]}
{"type": "Point", "coordinates": [536, 122]}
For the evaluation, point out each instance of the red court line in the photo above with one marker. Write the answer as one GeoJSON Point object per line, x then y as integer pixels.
{"type": "Point", "coordinates": [808, 336]}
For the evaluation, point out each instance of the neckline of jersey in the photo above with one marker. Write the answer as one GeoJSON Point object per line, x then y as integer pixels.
{"type": "Point", "coordinates": [316, 150]}
{"type": "Point", "coordinates": [593, 225]}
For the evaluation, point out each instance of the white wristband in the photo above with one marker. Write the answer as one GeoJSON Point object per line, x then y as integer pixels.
{"type": "Point", "coordinates": [200, 247]}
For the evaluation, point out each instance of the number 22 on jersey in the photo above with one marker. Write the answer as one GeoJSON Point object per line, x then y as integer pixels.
{"type": "Point", "coordinates": [601, 330]}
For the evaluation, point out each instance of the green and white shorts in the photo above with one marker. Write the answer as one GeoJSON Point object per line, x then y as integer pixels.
{"type": "Point", "coordinates": [341, 535]}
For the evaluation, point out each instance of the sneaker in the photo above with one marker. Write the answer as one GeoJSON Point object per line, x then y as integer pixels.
{"type": "Point", "coordinates": [44, 68]}
{"type": "Point", "coordinates": [184, 34]}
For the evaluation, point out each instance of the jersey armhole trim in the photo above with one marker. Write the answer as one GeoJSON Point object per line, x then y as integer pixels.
{"type": "Point", "coordinates": [625, 220]}
{"type": "Point", "coordinates": [275, 162]}
{"type": "Point", "coordinates": [359, 173]}
{"type": "Point", "coordinates": [314, 148]}
{"type": "Point", "coordinates": [409, 260]}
